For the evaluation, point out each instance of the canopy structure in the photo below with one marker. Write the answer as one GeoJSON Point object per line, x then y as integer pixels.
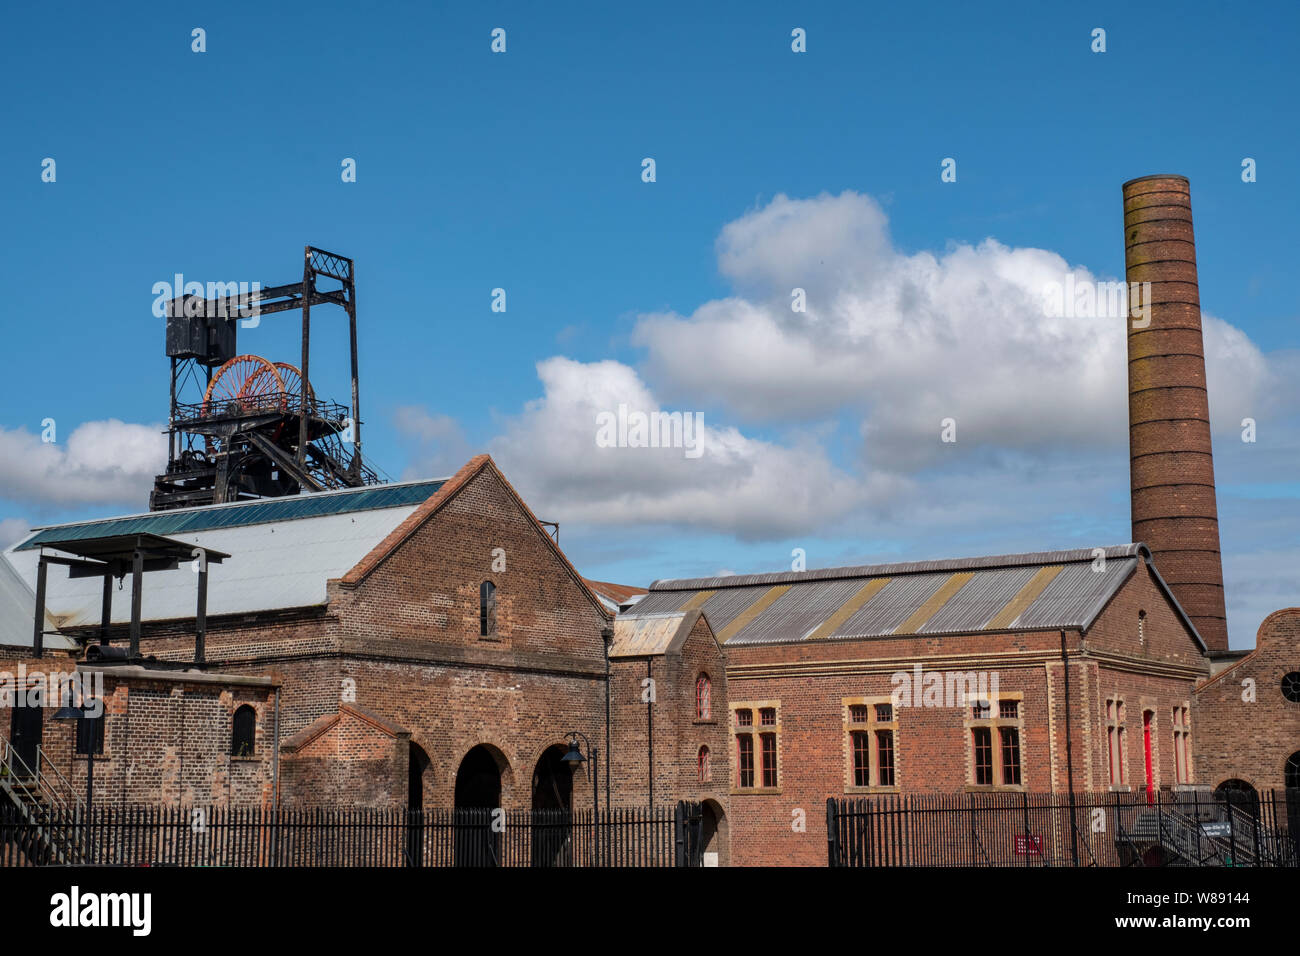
{"type": "Point", "coordinates": [112, 556]}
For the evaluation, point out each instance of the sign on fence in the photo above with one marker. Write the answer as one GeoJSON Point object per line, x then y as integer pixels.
{"type": "Point", "coordinates": [1217, 828]}
{"type": "Point", "coordinates": [1031, 845]}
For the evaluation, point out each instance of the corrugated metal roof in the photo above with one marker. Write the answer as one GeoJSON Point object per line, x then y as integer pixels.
{"type": "Point", "coordinates": [281, 557]}
{"type": "Point", "coordinates": [1039, 590]}
{"type": "Point", "coordinates": [888, 570]}
{"type": "Point", "coordinates": [986, 593]}
{"type": "Point", "coordinates": [726, 605]}
{"type": "Point", "coordinates": [240, 514]}
{"type": "Point", "coordinates": [801, 609]}
{"type": "Point", "coordinates": [1078, 593]}
{"type": "Point", "coordinates": [895, 603]}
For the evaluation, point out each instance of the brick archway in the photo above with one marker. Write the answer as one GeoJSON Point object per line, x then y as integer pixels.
{"type": "Point", "coordinates": [716, 837]}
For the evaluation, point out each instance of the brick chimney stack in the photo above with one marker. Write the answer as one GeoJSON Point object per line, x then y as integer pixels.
{"type": "Point", "coordinates": [1171, 463]}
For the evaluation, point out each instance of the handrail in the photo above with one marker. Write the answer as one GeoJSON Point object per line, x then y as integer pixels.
{"type": "Point", "coordinates": [67, 786]}
{"type": "Point", "coordinates": [1191, 837]}
{"type": "Point", "coordinates": [10, 762]}
{"type": "Point", "coordinates": [12, 759]}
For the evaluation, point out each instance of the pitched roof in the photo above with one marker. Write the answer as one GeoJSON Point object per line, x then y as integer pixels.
{"type": "Point", "coordinates": [448, 490]}
{"type": "Point", "coordinates": [614, 596]}
{"type": "Point", "coordinates": [618, 593]}
{"type": "Point", "coordinates": [238, 514]}
{"type": "Point", "coordinates": [651, 635]}
{"type": "Point", "coordinates": [1036, 591]}
{"type": "Point", "coordinates": [283, 550]}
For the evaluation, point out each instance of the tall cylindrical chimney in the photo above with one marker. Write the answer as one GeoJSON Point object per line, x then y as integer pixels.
{"type": "Point", "coordinates": [1171, 464]}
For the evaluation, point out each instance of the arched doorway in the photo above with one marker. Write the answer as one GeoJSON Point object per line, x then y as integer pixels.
{"type": "Point", "coordinates": [552, 823]}
{"type": "Point", "coordinates": [1240, 795]}
{"type": "Point", "coordinates": [713, 835]}
{"type": "Point", "coordinates": [417, 764]}
{"type": "Point", "coordinates": [477, 795]}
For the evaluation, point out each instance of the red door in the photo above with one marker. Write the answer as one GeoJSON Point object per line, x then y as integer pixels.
{"type": "Point", "coordinates": [1146, 749]}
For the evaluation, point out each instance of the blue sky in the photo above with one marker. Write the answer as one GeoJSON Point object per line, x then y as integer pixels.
{"type": "Point", "coordinates": [522, 171]}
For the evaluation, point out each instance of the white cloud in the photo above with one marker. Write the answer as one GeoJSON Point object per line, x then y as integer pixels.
{"type": "Point", "coordinates": [741, 485]}
{"type": "Point", "coordinates": [903, 341]}
{"type": "Point", "coordinates": [102, 462]}
{"type": "Point", "coordinates": [893, 342]}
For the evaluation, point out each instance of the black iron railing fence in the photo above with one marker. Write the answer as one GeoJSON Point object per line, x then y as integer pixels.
{"type": "Point", "coordinates": [175, 836]}
{"type": "Point", "coordinates": [1092, 829]}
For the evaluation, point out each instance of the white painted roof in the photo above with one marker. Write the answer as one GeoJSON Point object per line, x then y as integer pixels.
{"type": "Point", "coordinates": [273, 565]}
{"type": "Point", "coordinates": [17, 608]}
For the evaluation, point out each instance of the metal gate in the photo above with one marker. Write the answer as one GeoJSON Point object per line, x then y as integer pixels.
{"type": "Point", "coordinates": [688, 833]}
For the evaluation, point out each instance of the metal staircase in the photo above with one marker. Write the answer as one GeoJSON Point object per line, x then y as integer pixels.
{"type": "Point", "coordinates": [1186, 842]}
{"type": "Point", "coordinates": [43, 799]}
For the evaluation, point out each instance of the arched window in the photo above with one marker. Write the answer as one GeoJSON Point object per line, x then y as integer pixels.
{"type": "Point", "coordinates": [703, 698]}
{"type": "Point", "coordinates": [243, 732]}
{"type": "Point", "coordinates": [487, 609]}
{"type": "Point", "coordinates": [705, 768]}
{"type": "Point", "coordinates": [1291, 772]}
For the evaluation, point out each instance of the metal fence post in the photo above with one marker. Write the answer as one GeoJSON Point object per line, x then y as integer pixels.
{"type": "Point", "coordinates": [832, 833]}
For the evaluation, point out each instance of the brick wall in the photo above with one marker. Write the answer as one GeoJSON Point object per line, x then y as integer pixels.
{"type": "Point", "coordinates": [670, 722]}
{"type": "Point", "coordinates": [1245, 728]}
{"type": "Point", "coordinates": [808, 684]}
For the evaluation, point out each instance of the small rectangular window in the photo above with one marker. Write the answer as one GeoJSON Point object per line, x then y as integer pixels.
{"type": "Point", "coordinates": [885, 757]}
{"type": "Point", "coordinates": [980, 709]}
{"type": "Point", "coordinates": [884, 713]}
{"type": "Point", "coordinates": [861, 758]}
{"type": "Point", "coordinates": [745, 718]}
{"type": "Point", "coordinates": [745, 759]}
{"type": "Point", "coordinates": [982, 742]}
{"type": "Point", "coordinates": [769, 759]}
{"type": "Point", "coordinates": [858, 713]}
{"type": "Point", "coordinates": [767, 716]}
{"type": "Point", "coordinates": [1010, 756]}
{"type": "Point", "coordinates": [1008, 709]}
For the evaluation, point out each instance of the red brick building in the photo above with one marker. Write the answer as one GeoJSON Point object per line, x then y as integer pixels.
{"type": "Point", "coordinates": [427, 644]}
{"type": "Point", "coordinates": [942, 676]}
{"type": "Point", "coordinates": [429, 637]}
{"type": "Point", "coordinates": [1248, 714]}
